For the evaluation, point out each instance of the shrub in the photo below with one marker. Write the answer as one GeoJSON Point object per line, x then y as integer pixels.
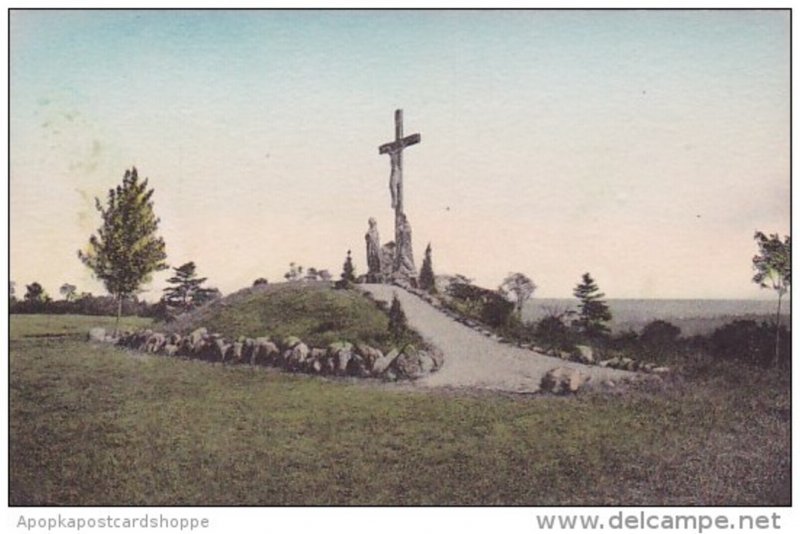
{"type": "Point", "coordinates": [750, 342]}
{"type": "Point", "coordinates": [398, 324]}
{"type": "Point", "coordinates": [552, 333]}
{"type": "Point", "coordinates": [660, 334]}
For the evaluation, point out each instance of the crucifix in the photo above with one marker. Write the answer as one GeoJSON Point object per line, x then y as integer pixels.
{"type": "Point", "coordinates": [403, 258]}
{"type": "Point", "coordinates": [395, 151]}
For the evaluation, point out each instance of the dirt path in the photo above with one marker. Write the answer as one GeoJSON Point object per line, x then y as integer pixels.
{"type": "Point", "coordinates": [475, 361]}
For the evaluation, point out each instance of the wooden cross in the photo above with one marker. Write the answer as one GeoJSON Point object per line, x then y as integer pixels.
{"type": "Point", "coordinates": [395, 151]}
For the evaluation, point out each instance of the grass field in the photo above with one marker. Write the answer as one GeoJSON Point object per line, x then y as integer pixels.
{"type": "Point", "coordinates": [97, 425]}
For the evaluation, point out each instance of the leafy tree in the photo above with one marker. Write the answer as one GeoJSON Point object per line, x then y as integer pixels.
{"type": "Point", "coordinates": [126, 250]}
{"type": "Point", "coordinates": [773, 265]}
{"type": "Point", "coordinates": [35, 293]}
{"type": "Point", "coordinates": [12, 291]}
{"type": "Point", "coordinates": [398, 324]}
{"type": "Point", "coordinates": [260, 282]}
{"type": "Point", "coordinates": [187, 293]}
{"type": "Point", "coordinates": [517, 288]}
{"type": "Point", "coordinates": [68, 291]}
{"type": "Point", "coordinates": [427, 280]}
{"type": "Point", "coordinates": [348, 271]}
{"type": "Point", "coordinates": [593, 311]}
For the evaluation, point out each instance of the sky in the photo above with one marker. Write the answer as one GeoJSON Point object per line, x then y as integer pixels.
{"type": "Point", "coordinates": [644, 147]}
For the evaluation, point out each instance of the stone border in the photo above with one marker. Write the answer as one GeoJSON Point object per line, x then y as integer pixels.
{"type": "Point", "coordinates": [291, 354]}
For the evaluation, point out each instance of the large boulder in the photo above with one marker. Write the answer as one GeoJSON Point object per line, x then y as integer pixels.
{"type": "Point", "coordinates": [197, 335]}
{"type": "Point", "coordinates": [563, 380]}
{"type": "Point", "coordinates": [155, 342]}
{"type": "Point", "coordinates": [408, 364]}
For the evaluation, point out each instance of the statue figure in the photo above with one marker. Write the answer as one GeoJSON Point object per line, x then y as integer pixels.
{"type": "Point", "coordinates": [395, 177]}
{"type": "Point", "coordinates": [374, 274]}
{"type": "Point", "coordinates": [404, 257]}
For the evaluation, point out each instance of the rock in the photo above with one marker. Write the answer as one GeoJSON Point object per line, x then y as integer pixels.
{"type": "Point", "coordinates": [297, 357]}
{"type": "Point", "coordinates": [220, 349]}
{"type": "Point", "coordinates": [357, 366]}
{"type": "Point", "coordinates": [563, 380]}
{"type": "Point", "coordinates": [585, 353]}
{"type": "Point", "coordinates": [155, 342]}
{"type": "Point", "coordinates": [426, 362]}
{"type": "Point", "coordinates": [369, 354]}
{"type": "Point", "coordinates": [264, 352]}
{"type": "Point", "coordinates": [197, 335]}
{"type": "Point", "coordinates": [170, 349]}
{"type": "Point", "coordinates": [661, 370]}
{"type": "Point", "coordinates": [382, 364]}
{"type": "Point", "coordinates": [236, 351]}
{"type": "Point", "coordinates": [97, 334]}
{"type": "Point", "coordinates": [408, 364]}
{"type": "Point", "coordinates": [290, 342]}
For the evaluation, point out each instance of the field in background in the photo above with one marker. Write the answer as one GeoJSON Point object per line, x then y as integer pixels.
{"type": "Point", "coordinates": [93, 424]}
{"type": "Point", "coordinates": [692, 316]}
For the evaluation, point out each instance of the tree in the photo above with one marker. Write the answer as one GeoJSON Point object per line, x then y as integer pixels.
{"type": "Point", "coordinates": [35, 293]}
{"type": "Point", "coordinates": [427, 280]}
{"type": "Point", "coordinates": [517, 288]}
{"type": "Point", "coordinates": [68, 291]}
{"type": "Point", "coordinates": [398, 324]}
{"type": "Point", "coordinates": [12, 291]}
{"type": "Point", "coordinates": [593, 311]}
{"type": "Point", "coordinates": [348, 271]}
{"type": "Point", "coordinates": [260, 282]}
{"type": "Point", "coordinates": [126, 250]}
{"type": "Point", "coordinates": [187, 293]}
{"type": "Point", "coordinates": [773, 267]}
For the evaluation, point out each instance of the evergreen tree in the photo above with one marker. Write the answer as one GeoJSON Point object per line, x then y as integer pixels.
{"type": "Point", "coordinates": [126, 250]}
{"type": "Point", "coordinates": [593, 311]}
{"type": "Point", "coordinates": [398, 323]}
{"type": "Point", "coordinates": [427, 280]}
{"type": "Point", "coordinates": [348, 271]}
{"type": "Point", "coordinates": [187, 293]}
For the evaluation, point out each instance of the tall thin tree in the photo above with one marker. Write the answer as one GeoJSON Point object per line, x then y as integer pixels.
{"type": "Point", "coordinates": [773, 265]}
{"type": "Point", "coordinates": [126, 250]}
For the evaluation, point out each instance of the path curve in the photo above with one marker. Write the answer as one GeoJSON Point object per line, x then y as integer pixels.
{"type": "Point", "coordinates": [476, 361]}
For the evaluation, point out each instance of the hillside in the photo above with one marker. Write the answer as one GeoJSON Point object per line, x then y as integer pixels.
{"type": "Point", "coordinates": [312, 311]}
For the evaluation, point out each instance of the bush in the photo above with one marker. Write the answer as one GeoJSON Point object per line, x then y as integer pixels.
{"type": "Point", "coordinates": [750, 342]}
{"type": "Point", "coordinates": [660, 334]}
{"type": "Point", "coordinates": [479, 303]}
{"type": "Point", "coordinates": [552, 333]}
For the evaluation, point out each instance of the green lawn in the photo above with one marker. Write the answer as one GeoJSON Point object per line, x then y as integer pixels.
{"type": "Point", "coordinates": [97, 425]}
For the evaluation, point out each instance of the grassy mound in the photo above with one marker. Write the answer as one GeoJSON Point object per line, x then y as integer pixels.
{"type": "Point", "coordinates": [312, 311]}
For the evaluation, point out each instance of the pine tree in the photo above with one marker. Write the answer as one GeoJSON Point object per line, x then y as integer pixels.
{"type": "Point", "coordinates": [593, 311]}
{"type": "Point", "coordinates": [126, 250]}
{"type": "Point", "coordinates": [398, 324]}
{"type": "Point", "coordinates": [348, 271]}
{"type": "Point", "coordinates": [187, 293]}
{"type": "Point", "coordinates": [427, 280]}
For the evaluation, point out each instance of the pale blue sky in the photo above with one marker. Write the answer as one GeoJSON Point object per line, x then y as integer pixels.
{"type": "Point", "coordinates": [642, 146]}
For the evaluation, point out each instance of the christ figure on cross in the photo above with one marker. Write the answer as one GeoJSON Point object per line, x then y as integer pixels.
{"type": "Point", "coordinates": [395, 151]}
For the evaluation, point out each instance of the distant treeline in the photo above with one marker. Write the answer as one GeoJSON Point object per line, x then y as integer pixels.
{"type": "Point", "coordinates": [88, 305]}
